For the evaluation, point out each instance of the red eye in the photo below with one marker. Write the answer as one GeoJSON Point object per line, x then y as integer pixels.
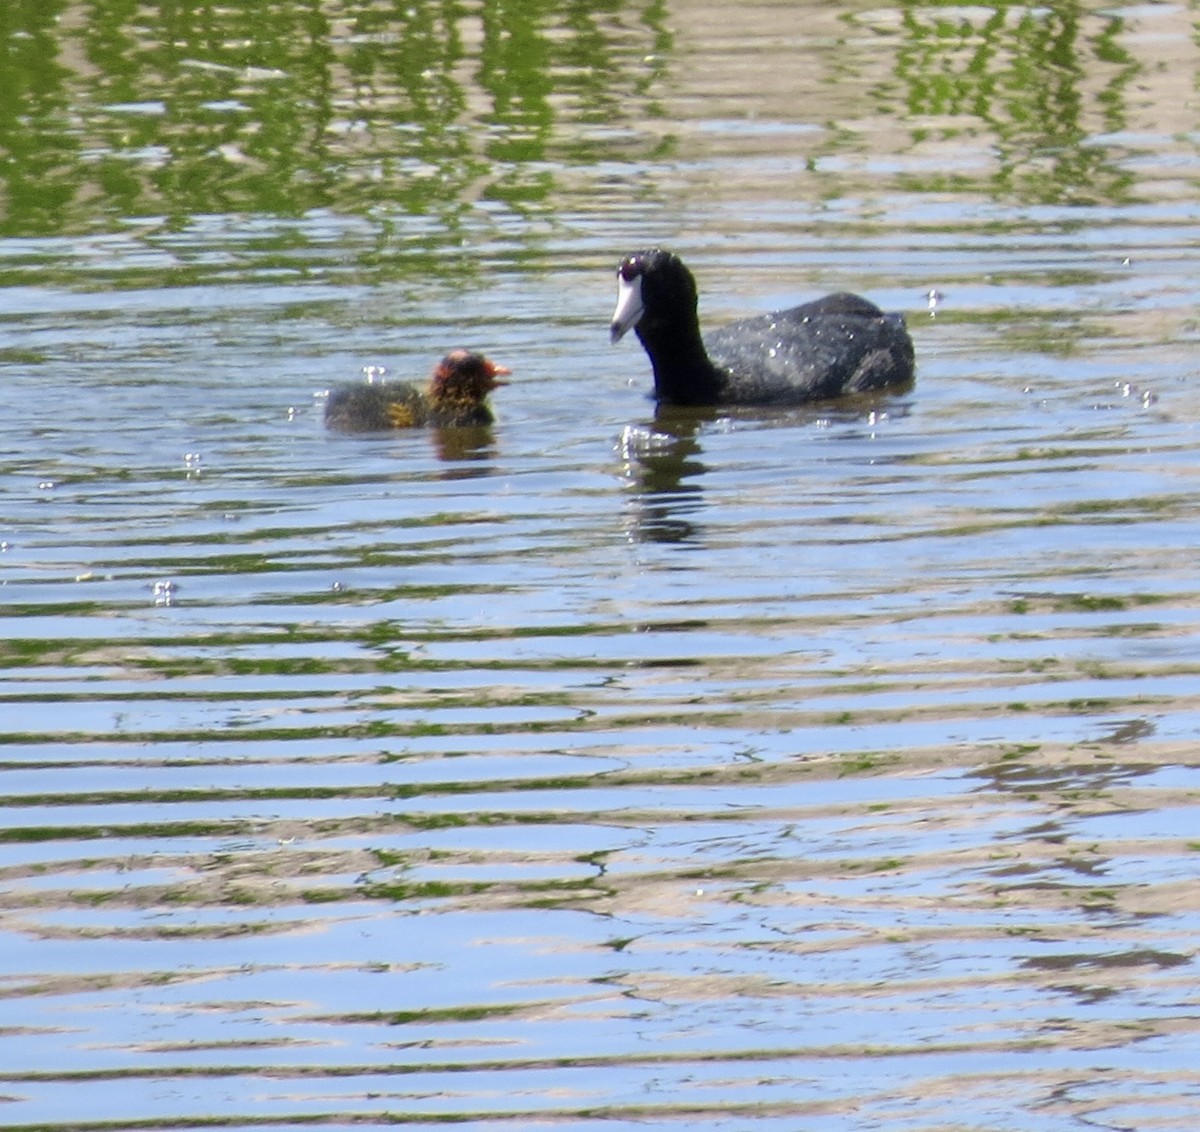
{"type": "Point", "coordinates": [631, 269]}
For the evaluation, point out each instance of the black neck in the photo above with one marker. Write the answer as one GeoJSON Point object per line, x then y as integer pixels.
{"type": "Point", "coordinates": [683, 374]}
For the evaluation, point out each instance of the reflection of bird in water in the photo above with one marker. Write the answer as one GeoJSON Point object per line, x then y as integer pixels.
{"type": "Point", "coordinates": [456, 394]}
{"type": "Point", "coordinates": [831, 347]}
{"type": "Point", "coordinates": [664, 462]}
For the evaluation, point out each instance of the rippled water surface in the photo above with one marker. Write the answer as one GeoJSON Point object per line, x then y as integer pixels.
{"type": "Point", "coordinates": [831, 768]}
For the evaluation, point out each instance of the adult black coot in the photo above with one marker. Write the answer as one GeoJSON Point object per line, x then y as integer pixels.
{"type": "Point", "coordinates": [456, 394]}
{"type": "Point", "coordinates": [830, 347]}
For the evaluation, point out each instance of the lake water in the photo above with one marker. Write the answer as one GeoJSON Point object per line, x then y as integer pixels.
{"type": "Point", "coordinates": [831, 769]}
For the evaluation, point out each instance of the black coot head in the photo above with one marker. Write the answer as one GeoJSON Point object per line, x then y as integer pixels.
{"type": "Point", "coordinates": [652, 286]}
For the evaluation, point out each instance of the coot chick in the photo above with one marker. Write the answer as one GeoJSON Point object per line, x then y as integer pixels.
{"type": "Point", "coordinates": [455, 395]}
{"type": "Point", "coordinates": [830, 347]}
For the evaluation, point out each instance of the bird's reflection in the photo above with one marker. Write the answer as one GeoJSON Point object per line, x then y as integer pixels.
{"type": "Point", "coordinates": [470, 451]}
{"type": "Point", "coordinates": [662, 461]}
{"type": "Point", "coordinates": [663, 457]}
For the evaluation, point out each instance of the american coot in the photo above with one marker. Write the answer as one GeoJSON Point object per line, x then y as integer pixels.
{"type": "Point", "coordinates": [456, 395]}
{"type": "Point", "coordinates": [830, 347]}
